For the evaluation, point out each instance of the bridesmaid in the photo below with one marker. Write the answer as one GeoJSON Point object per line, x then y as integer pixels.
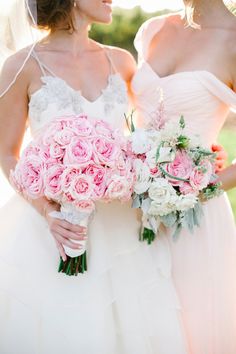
{"type": "Point", "coordinates": [195, 67]}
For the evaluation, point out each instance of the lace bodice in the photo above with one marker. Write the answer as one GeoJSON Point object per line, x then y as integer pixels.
{"type": "Point", "coordinates": [56, 98]}
{"type": "Point", "coordinates": [199, 96]}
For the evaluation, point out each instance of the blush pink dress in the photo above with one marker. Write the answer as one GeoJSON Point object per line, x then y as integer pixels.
{"type": "Point", "coordinates": [203, 263]}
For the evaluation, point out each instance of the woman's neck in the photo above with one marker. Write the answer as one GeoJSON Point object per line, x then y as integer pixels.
{"type": "Point", "coordinates": [209, 13]}
{"type": "Point", "coordinates": [76, 42]}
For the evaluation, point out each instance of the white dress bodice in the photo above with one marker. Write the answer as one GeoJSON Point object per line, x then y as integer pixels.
{"type": "Point", "coordinates": [56, 98]}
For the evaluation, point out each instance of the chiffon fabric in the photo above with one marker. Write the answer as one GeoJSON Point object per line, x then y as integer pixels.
{"type": "Point", "coordinates": [203, 264]}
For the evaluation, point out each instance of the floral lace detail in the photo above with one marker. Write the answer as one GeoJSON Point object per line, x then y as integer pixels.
{"type": "Point", "coordinates": [56, 97]}
{"type": "Point", "coordinates": [56, 90]}
{"type": "Point", "coordinates": [115, 92]}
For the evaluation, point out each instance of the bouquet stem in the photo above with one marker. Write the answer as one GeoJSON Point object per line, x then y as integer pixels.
{"type": "Point", "coordinates": [146, 235]}
{"type": "Point", "coordinates": [73, 265]}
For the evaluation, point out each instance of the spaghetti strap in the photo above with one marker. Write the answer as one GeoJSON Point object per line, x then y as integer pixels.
{"type": "Point", "coordinates": [112, 65]}
{"type": "Point", "coordinates": [44, 68]}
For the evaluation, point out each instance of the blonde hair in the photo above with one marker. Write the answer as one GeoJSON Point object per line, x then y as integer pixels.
{"type": "Point", "coordinates": [189, 14]}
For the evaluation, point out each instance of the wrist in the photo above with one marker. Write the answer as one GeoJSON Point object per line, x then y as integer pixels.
{"type": "Point", "coordinates": [48, 207]}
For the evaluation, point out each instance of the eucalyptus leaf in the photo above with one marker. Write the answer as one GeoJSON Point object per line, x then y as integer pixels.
{"type": "Point", "coordinates": [169, 220]}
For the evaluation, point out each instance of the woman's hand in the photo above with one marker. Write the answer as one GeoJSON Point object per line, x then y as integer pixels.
{"type": "Point", "coordinates": [62, 231]}
{"type": "Point", "coordinates": [221, 157]}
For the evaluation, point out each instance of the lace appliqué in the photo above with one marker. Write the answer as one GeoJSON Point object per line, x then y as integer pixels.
{"type": "Point", "coordinates": [55, 89]}
{"type": "Point", "coordinates": [115, 92]}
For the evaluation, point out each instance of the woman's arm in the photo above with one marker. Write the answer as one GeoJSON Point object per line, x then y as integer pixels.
{"type": "Point", "coordinates": [13, 119]}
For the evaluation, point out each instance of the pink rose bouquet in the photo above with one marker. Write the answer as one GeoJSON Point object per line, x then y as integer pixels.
{"type": "Point", "coordinates": [75, 162]}
{"type": "Point", "coordinates": [174, 175]}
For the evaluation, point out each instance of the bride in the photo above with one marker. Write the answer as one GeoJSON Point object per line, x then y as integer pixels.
{"type": "Point", "coordinates": [126, 303]}
{"type": "Point", "coordinates": [195, 67]}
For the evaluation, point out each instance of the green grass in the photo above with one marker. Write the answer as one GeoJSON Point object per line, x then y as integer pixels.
{"type": "Point", "coordinates": [228, 140]}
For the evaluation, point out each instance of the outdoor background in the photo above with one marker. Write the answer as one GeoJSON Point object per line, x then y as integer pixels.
{"type": "Point", "coordinates": [126, 21]}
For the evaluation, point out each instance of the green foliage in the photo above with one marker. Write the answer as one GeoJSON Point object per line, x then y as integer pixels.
{"type": "Point", "coordinates": [227, 140]}
{"type": "Point", "coordinates": [124, 26]}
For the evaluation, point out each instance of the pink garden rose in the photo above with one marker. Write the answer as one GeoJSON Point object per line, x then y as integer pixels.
{"type": "Point", "coordinates": [69, 173]}
{"type": "Point", "coordinates": [82, 126]}
{"type": "Point", "coordinates": [106, 151]}
{"type": "Point", "coordinates": [103, 128]}
{"type": "Point", "coordinates": [97, 173]}
{"type": "Point", "coordinates": [201, 175]}
{"type": "Point", "coordinates": [186, 188]}
{"type": "Point", "coordinates": [29, 175]}
{"type": "Point", "coordinates": [81, 188]}
{"type": "Point", "coordinates": [181, 167]}
{"type": "Point", "coordinates": [63, 137]}
{"type": "Point", "coordinates": [56, 151]}
{"type": "Point", "coordinates": [79, 151]}
{"type": "Point", "coordinates": [118, 188]}
{"type": "Point", "coordinates": [53, 181]}
{"type": "Point", "coordinates": [85, 206]}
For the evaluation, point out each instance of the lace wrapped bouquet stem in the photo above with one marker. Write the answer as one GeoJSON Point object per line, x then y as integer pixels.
{"type": "Point", "coordinates": [76, 161]}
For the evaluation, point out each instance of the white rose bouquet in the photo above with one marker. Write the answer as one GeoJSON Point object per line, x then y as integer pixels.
{"type": "Point", "coordinates": [174, 175]}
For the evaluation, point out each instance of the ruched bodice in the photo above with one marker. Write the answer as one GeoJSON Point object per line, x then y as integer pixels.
{"type": "Point", "coordinates": [199, 96]}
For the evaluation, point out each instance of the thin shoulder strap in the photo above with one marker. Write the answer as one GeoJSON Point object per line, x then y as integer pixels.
{"type": "Point", "coordinates": [18, 72]}
{"type": "Point", "coordinates": [44, 68]}
{"type": "Point", "coordinates": [109, 57]}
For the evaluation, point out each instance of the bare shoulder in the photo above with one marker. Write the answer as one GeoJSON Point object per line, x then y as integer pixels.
{"type": "Point", "coordinates": [123, 61]}
{"type": "Point", "coordinates": [14, 67]}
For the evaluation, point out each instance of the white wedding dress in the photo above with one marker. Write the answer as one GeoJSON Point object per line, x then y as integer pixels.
{"type": "Point", "coordinates": [124, 304]}
{"type": "Point", "coordinates": [203, 263]}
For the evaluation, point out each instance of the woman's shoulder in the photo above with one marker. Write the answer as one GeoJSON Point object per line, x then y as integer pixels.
{"type": "Point", "coordinates": [122, 60]}
{"type": "Point", "coordinates": [17, 63]}
{"type": "Point", "coordinates": [157, 22]}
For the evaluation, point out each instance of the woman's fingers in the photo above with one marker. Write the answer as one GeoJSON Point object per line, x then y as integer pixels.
{"type": "Point", "coordinates": [61, 250]}
{"type": "Point", "coordinates": [66, 242]}
{"type": "Point", "coordinates": [74, 228]}
{"type": "Point", "coordinates": [70, 235]}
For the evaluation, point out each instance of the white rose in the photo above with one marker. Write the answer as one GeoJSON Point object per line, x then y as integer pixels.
{"type": "Point", "coordinates": [186, 202]}
{"type": "Point", "coordinates": [157, 209]}
{"type": "Point", "coordinates": [140, 141]}
{"type": "Point", "coordinates": [161, 191]}
{"type": "Point", "coordinates": [143, 178]}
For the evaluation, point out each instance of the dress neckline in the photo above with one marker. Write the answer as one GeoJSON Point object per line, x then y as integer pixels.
{"type": "Point", "coordinates": [46, 78]}
{"type": "Point", "coordinates": [190, 72]}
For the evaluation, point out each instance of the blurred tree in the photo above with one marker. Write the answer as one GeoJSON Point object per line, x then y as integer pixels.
{"type": "Point", "coordinates": [122, 31]}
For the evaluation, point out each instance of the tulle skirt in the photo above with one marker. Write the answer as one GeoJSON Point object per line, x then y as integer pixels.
{"type": "Point", "coordinates": [204, 273]}
{"type": "Point", "coordinates": [125, 304]}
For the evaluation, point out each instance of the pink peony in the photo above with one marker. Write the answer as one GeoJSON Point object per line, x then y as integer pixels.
{"type": "Point", "coordinates": [181, 167]}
